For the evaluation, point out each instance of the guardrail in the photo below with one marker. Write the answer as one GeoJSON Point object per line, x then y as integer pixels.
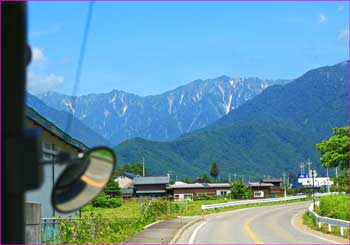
{"type": "Point", "coordinates": [236, 203]}
{"type": "Point", "coordinates": [330, 221]}
{"type": "Point", "coordinates": [327, 194]}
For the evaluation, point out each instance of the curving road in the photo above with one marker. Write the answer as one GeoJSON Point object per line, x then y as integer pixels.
{"type": "Point", "coordinates": [270, 225]}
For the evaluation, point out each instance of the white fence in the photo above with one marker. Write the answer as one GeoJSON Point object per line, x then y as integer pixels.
{"type": "Point", "coordinates": [330, 221]}
{"type": "Point", "coordinates": [229, 204]}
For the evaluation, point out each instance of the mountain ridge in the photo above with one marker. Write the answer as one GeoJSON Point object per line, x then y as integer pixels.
{"type": "Point", "coordinates": [287, 121]}
{"type": "Point", "coordinates": [119, 115]}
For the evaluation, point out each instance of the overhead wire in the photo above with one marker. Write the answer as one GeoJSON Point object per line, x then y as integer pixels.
{"type": "Point", "coordinates": [80, 63]}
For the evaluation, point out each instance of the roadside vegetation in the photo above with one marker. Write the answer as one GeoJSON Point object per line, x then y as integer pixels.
{"type": "Point", "coordinates": [116, 225]}
{"type": "Point", "coordinates": [335, 153]}
{"type": "Point", "coordinates": [334, 206]}
{"type": "Point", "coordinates": [309, 220]}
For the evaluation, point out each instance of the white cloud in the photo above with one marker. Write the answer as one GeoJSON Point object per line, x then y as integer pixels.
{"type": "Point", "coordinates": [37, 55]}
{"type": "Point", "coordinates": [344, 34]}
{"type": "Point", "coordinates": [322, 18]}
{"type": "Point", "coordinates": [43, 83]}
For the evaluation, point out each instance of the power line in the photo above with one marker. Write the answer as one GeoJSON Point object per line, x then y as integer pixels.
{"type": "Point", "coordinates": [80, 61]}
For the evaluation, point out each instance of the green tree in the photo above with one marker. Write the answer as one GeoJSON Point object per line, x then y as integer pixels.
{"type": "Point", "coordinates": [335, 153]}
{"type": "Point", "coordinates": [112, 188]}
{"type": "Point", "coordinates": [214, 171]}
{"type": "Point", "coordinates": [203, 179]}
{"type": "Point", "coordinates": [240, 191]}
{"type": "Point", "coordinates": [335, 150]}
{"type": "Point", "coordinates": [136, 168]}
{"type": "Point", "coordinates": [187, 180]}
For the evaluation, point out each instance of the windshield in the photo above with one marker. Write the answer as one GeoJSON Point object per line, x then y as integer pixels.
{"type": "Point", "coordinates": [203, 103]}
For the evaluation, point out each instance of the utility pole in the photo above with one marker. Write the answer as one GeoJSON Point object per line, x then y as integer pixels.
{"type": "Point", "coordinates": [143, 166]}
{"type": "Point", "coordinates": [284, 184]}
{"type": "Point", "coordinates": [229, 178]}
{"type": "Point", "coordinates": [235, 176]}
{"type": "Point", "coordinates": [327, 181]}
{"type": "Point", "coordinates": [302, 167]}
{"type": "Point", "coordinates": [313, 188]}
{"type": "Point", "coordinates": [309, 163]}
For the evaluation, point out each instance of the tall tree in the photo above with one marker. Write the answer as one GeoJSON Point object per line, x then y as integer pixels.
{"type": "Point", "coordinates": [335, 150]}
{"type": "Point", "coordinates": [335, 153]}
{"type": "Point", "coordinates": [214, 171]}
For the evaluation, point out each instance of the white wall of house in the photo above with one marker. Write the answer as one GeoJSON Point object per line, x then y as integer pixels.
{"type": "Point", "coordinates": [51, 146]}
{"type": "Point", "coordinates": [223, 192]}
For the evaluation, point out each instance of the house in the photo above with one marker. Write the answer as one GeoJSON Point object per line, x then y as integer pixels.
{"type": "Point", "coordinates": [259, 189]}
{"type": "Point", "coordinates": [151, 186]}
{"type": "Point", "coordinates": [126, 180]}
{"type": "Point", "coordinates": [277, 188]}
{"type": "Point", "coordinates": [126, 184]}
{"type": "Point", "coordinates": [266, 188]}
{"type": "Point", "coordinates": [183, 190]}
{"type": "Point", "coordinates": [274, 182]}
{"type": "Point", "coordinates": [53, 141]}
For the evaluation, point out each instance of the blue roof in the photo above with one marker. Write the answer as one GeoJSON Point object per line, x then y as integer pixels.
{"type": "Point", "coordinates": [130, 175]}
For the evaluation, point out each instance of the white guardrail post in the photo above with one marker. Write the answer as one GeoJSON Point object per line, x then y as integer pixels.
{"type": "Point", "coordinates": [330, 221]}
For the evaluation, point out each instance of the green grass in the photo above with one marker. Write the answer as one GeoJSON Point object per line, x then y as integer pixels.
{"type": "Point", "coordinates": [132, 209]}
{"type": "Point", "coordinates": [334, 206]}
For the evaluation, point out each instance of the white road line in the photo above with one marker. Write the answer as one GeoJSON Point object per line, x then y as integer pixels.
{"type": "Point", "coordinates": [194, 234]}
{"type": "Point", "coordinates": [310, 234]}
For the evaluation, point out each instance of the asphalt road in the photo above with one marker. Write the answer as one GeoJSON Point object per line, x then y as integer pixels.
{"type": "Point", "coordinates": [269, 225]}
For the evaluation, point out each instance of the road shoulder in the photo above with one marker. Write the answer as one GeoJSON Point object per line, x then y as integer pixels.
{"type": "Point", "coordinates": [298, 223]}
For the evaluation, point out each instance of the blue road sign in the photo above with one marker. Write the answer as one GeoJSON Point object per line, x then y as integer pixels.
{"type": "Point", "coordinates": [302, 176]}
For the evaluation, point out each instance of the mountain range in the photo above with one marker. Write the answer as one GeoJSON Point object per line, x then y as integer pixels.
{"type": "Point", "coordinates": [271, 133]}
{"type": "Point", "coordinates": [118, 116]}
{"type": "Point", "coordinates": [77, 129]}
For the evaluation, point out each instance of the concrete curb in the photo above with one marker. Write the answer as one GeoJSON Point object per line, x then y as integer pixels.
{"type": "Point", "coordinates": [149, 225]}
{"type": "Point", "coordinates": [179, 233]}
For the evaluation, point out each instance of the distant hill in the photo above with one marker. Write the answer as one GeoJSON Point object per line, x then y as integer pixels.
{"type": "Point", "coordinates": [269, 134]}
{"type": "Point", "coordinates": [78, 129]}
{"type": "Point", "coordinates": [119, 115]}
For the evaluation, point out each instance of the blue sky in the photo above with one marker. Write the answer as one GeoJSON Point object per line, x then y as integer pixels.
{"type": "Point", "coordinates": [151, 47]}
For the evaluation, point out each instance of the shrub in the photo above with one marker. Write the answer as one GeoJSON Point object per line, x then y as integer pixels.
{"type": "Point", "coordinates": [104, 201]}
{"type": "Point", "coordinates": [334, 206]}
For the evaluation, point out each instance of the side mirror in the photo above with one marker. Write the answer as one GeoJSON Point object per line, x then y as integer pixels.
{"type": "Point", "coordinates": [83, 180]}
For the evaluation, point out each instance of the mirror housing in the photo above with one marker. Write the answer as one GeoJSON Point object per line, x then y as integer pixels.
{"type": "Point", "coordinates": [83, 179]}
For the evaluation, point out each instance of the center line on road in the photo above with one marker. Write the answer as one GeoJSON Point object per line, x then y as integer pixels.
{"type": "Point", "coordinates": [194, 234]}
{"type": "Point", "coordinates": [250, 233]}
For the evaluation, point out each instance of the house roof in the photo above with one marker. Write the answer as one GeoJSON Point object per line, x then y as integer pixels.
{"type": "Point", "coordinates": [199, 185]}
{"type": "Point", "coordinates": [271, 180]}
{"type": "Point", "coordinates": [149, 180]}
{"type": "Point", "coordinates": [259, 184]}
{"type": "Point", "coordinates": [52, 128]}
{"type": "Point", "coordinates": [130, 175]}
